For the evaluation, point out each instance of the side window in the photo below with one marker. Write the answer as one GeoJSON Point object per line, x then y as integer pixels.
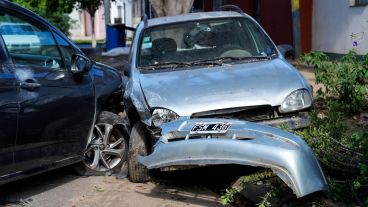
{"type": "Point", "coordinates": [66, 49]}
{"type": "Point", "coordinates": [28, 42]}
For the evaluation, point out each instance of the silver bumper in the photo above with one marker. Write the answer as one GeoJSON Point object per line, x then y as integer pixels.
{"type": "Point", "coordinates": [245, 143]}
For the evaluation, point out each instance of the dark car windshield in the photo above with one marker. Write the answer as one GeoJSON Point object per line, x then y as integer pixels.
{"type": "Point", "coordinates": [195, 42]}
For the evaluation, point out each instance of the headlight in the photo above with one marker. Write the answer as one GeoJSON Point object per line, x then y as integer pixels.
{"type": "Point", "coordinates": [296, 101]}
{"type": "Point", "coordinates": [161, 116]}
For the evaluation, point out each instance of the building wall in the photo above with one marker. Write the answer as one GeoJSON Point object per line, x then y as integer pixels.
{"type": "Point", "coordinates": [82, 28]}
{"type": "Point", "coordinates": [306, 9]}
{"type": "Point", "coordinates": [338, 28]}
{"type": "Point", "coordinates": [276, 18]}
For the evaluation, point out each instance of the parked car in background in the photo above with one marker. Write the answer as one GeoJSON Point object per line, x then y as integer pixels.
{"type": "Point", "coordinates": [57, 107]}
{"type": "Point", "coordinates": [196, 80]}
{"type": "Point", "coordinates": [20, 37]}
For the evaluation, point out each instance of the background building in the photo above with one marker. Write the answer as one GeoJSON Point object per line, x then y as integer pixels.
{"type": "Point", "coordinates": [340, 25]}
{"type": "Point", "coordinates": [332, 26]}
{"type": "Point", "coordinates": [128, 12]}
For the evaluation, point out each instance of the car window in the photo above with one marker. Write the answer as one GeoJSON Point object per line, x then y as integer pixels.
{"type": "Point", "coordinates": [194, 41]}
{"type": "Point", "coordinates": [66, 49]}
{"type": "Point", "coordinates": [28, 42]}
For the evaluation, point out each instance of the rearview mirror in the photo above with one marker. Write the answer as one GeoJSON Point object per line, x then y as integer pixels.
{"type": "Point", "coordinates": [80, 64]}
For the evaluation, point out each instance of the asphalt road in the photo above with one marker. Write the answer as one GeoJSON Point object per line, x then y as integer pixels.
{"type": "Point", "coordinates": [63, 187]}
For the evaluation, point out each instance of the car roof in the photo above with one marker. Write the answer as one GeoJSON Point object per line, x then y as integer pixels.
{"type": "Point", "coordinates": [193, 17]}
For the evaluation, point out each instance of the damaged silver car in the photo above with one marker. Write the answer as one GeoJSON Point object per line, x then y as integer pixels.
{"type": "Point", "coordinates": [198, 83]}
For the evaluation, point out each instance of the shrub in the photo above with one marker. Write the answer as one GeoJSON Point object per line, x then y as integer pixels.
{"type": "Point", "coordinates": [345, 79]}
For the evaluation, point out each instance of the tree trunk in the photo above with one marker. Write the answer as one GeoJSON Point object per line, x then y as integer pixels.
{"type": "Point", "coordinates": [171, 7]}
{"type": "Point", "coordinates": [94, 42]}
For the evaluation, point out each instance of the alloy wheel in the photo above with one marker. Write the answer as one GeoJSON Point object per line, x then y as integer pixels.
{"type": "Point", "coordinates": [106, 149]}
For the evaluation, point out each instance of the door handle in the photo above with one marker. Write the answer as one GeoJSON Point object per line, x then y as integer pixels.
{"type": "Point", "coordinates": [30, 84]}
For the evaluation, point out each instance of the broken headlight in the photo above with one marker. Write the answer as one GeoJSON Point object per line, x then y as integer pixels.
{"type": "Point", "coordinates": [296, 101]}
{"type": "Point", "coordinates": [161, 116]}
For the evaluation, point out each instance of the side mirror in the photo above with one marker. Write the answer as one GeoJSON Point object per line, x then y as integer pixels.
{"type": "Point", "coordinates": [80, 64]}
{"type": "Point", "coordinates": [287, 51]}
{"type": "Point", "coordinates": [126, 69]}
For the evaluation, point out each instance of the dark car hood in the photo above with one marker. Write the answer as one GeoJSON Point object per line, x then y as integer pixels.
{"type": "Point", "coordinates": [205, 89]}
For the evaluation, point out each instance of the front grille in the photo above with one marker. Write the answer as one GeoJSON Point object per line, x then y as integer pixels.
{"type": "Point", "coordinates": [257, 113]}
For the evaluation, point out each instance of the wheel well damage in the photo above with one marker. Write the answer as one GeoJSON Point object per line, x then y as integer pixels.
{"type": "Point", "coordinates": [114, 103]}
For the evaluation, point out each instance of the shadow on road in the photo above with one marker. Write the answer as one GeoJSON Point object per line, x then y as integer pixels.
{"type": "Point", "coordinates": [195, 187]}
{"type": "Point", "coordinates": [185, 185]}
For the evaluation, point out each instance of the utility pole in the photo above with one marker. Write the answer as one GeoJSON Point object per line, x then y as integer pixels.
{"type": "Point", "coordinates": [295, 6]}
{"type": "Point", "coordinates": [107, 7]}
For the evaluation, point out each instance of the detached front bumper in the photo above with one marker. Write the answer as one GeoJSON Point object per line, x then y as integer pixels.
{"type": "Point", "coordinates": [244, 143]}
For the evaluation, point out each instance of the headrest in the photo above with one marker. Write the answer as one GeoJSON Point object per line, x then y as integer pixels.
{"type": "Point", "coordinates": [163, 46]}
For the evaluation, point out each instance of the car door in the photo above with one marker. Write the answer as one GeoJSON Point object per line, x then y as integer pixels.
{"type": "Point", "coordinates": [8, 115]}
{"type": "Point", "coordinates": [56, 107]}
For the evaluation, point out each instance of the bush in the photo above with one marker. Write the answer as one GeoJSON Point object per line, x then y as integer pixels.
{"type": "Point", "coordinates": [342, 156]}
{"type": "Point", "coordinates": [345, 80]}
{"type": "Point", "coordinates": [55, 11]}
{"type": "Point", "coordinates": [359, 141]}
{"type": "Point", "coordinates": [326, 132]}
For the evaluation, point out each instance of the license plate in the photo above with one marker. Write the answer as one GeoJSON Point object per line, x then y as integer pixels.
{"type": "Point", "coordinates": [210, 128]}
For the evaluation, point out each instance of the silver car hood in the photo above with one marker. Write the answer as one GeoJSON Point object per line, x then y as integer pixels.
{"type": "Point", "coordinates": [229, 86]}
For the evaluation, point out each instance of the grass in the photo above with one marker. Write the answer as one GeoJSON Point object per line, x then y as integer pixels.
{"type": "Point", "coordinates": [103, 41]}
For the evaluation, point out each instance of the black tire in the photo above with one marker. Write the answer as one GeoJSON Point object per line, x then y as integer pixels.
{"type": "Point", "coordinates": [138, 145]}
{"type": "Point", "coordinates": [120, 130]}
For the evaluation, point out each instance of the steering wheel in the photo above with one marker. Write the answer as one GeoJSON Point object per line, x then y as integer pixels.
{"type": "Point", "coordinates": [232, 50]}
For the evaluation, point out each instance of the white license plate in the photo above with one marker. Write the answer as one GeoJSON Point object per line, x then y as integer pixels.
{"type": "Point", "coordinates": [210, 128]}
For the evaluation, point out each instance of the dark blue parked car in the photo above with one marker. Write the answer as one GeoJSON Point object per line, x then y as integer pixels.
{"type": "Point", "coordinates": [57, 107]}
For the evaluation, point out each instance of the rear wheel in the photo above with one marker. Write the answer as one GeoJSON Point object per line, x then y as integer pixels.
{"type": "Point", "coordinates": [108, 147]}
{"type": "Point", "coordinates": [138, 145]}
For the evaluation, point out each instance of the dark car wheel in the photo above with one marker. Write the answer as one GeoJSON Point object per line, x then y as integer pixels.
{"type": "Point", "coordinates": [138, 145]}
{"type": "Point", "coordinates": [108, 147]}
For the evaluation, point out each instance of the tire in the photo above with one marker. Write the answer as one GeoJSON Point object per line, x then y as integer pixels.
{"type": "Point", "coordinates": [138, 145]}
{"type": "Point", "coordinates": [112, 152]}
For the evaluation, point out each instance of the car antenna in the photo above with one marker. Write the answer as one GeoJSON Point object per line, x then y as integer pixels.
{"type": "Point", "coordinates": [145, 20]}
{"type": "Point", "coordinates": [232, 8]}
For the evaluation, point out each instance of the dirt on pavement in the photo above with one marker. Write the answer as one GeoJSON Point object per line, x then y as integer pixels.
{"type": "Point", "coordinates": [111, 192]}
{"type": "Point", "coordinates": [63, 188]}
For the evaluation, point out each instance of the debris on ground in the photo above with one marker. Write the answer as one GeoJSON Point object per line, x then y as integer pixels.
{"type": "Point", "coordinates": [117, 51]}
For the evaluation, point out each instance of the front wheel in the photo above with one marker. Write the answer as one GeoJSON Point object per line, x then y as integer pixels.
{"type": "Point", "coordinates": [138, 145]}
{"type": "Point", "coordinates": [108, 147]}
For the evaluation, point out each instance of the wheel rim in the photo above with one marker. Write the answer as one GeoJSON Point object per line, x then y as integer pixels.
{"type": "Point", "coordinates": [106, 149]}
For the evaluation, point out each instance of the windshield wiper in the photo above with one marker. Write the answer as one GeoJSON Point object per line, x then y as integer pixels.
{"type": "Point", "coordinates": [221, 60]}
{"type": "Point", "coordinates": [165, 65]}
{"type": "Point", "coordinates": [174, 65]}
{"type": "Point", "coordinates": [208, 62]}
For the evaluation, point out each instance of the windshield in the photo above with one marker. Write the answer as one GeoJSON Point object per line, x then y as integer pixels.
{"type": "Point", "coordinates": [186, 43]}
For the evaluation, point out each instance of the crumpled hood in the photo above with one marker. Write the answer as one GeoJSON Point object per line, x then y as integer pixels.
{"type": "Point", "coordinates": [205, 89]}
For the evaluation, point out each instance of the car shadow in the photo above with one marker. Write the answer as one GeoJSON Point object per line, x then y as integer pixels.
{"type": "Point", "coordinates": [187, 185]}
{"type": "Point", "coordinates": [20, 192]}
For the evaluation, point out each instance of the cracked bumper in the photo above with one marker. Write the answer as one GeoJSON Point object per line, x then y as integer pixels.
{"type": "Point", "coordinates": [245, 143]}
